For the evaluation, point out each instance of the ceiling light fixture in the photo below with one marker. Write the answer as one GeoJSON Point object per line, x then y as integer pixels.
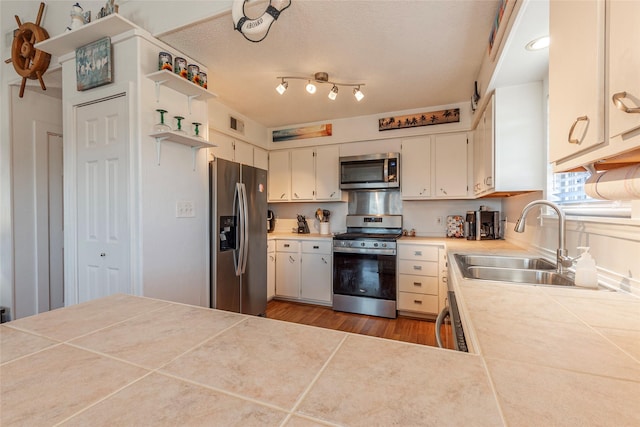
{"type": "Point", "coordinates": [538, 44]}
{"type": "Point", "coordinates": [333, 93]}
{"type": "Point", "coordinates": [358, 94]}
{"type": "Point", "coordinates": [321, 78]}
{"type": "Point", "coordinates": [311, 88]}
{"type": "Point", "coordinates": [282, 87]}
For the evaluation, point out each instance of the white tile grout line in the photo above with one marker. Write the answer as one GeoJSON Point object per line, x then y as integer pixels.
{"type": "Point", "coordinates": [313, 381]}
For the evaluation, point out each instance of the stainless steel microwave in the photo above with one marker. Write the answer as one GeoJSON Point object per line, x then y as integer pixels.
{"type": "Point", "coordinates": [370, 171]}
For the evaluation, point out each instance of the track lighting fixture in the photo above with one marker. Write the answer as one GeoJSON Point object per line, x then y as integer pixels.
{"type": "Point", "coordinates": [321, 78]}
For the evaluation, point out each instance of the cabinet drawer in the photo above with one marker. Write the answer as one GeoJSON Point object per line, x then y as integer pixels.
{"type": "Point", "coordinates": [427, 285]}
{"type": "Point", "coordinates": [287, 246]}
{"type": "Point", "coordinates": [317, 247]}
{"type": "Point", "coordinates": [408, 301]}
{"type": "Point", "coordinates": [420, 268]}
{"type": "Point", "coordinates": [418, 252]}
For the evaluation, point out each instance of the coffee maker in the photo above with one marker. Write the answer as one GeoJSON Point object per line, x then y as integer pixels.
{"type": "Point", "coordinates": [482, 225]}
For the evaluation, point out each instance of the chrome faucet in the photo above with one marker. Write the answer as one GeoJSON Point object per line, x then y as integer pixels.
{"type": "Point", "coordinates": [562, 260]}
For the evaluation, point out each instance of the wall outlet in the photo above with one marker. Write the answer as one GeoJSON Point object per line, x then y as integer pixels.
{"type": "Point", "coordinates": [185, 209]}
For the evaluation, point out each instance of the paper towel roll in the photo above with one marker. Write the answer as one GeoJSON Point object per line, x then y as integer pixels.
{"type": "Point", "coordinates": [616, 184]}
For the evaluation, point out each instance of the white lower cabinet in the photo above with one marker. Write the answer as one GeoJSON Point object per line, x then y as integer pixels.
{"type": "Point", "coordinates": [303, 270]}
{"type": "Point", "coordinates": [315, 280]}
{"type": "Point", "coordinates": [419, 278]}
{"type": "Point", "coordinates": [271, 269]}
{"type": "Point", "coordinates": [288, 268]}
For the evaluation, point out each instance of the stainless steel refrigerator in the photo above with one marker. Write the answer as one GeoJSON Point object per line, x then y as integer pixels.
{"type": "Point", "coordinates": [238, 195]}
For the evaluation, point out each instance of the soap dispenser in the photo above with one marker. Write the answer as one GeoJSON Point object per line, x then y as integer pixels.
{"type": "Point", "coordinates": [586, 272]}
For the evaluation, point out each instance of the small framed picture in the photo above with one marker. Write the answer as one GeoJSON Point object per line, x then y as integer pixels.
{"type": "Point", "coordinates": [94, 64]}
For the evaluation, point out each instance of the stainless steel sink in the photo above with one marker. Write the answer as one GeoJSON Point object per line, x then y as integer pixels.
{"type": "Point", "coordinates": [526, 270]}
{"type": "Point", "coordinates": [536, 277]}
{"type": "Point", "coordinates": [504, 262]}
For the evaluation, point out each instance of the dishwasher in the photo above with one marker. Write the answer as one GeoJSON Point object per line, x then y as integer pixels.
{"type": "Point", "coordinates": [457, 332]}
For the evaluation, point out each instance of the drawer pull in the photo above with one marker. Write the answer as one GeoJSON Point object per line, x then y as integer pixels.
{"type": "Point", "coordinates": [417, 284]}
{"type": "Point", "coordinates": [286, 245]}
{"type": "Point", "coordinates": [418, 253]}
{"type": "Point", "coordinates": [417, 267]}
{"type": "Point", "coordinates": [417, 301]}
{"type": "Point", "coordinates": [316, 247]}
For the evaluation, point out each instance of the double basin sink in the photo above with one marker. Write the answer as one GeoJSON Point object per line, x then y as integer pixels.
{"type": "Point", "coordinates": [526, 270]}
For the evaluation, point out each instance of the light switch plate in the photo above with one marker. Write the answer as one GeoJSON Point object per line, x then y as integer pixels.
{"type": "Point", "coordinates": [185, 209]}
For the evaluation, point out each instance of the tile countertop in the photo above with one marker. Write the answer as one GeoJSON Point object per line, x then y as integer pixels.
{"type": "Point", "coordinates": [544, 356]}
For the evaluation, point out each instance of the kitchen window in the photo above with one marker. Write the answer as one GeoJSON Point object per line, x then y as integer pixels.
{"type": "Point", "coordinates": [567, 190]}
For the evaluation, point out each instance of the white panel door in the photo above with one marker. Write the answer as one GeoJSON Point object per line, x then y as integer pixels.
{"type": "Point", "coordinates": [303, 176]}
{"type": "Point", "coordinates": [102, 191]}
{"type": "Point", "coordinates": [450, 165]}
{"type": "Point", "coordinates": [328, 173]}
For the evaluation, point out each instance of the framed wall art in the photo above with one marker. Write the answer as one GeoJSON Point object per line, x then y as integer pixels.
{"type": "Point", "coordinates": [419, 119]}
{"type": "Point", "coordinates": [94, 64]}
{"type": "Point", "coordinates": [314, 131]}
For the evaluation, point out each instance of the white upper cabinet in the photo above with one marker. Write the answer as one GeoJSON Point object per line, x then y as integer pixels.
{"type": "Point", "coordinates": [450, 165]}
{"type": "Point", "coordinates": [509, 148]}
{"type": "Point", "coordinates": [415, 167]}
{"type": "Point", "coordinates": [434, 167]}
{"type": "Point", "coordinates": [279, 186]}
{"type": "Point", "coordinates": [243, 153]}
{"type": "Point", "coordinates": [260, 158]}
{"type": "Point", "coordinates": [624, 67]}
{"type": "Point", "coordinates": [312, 174]}
{"type": "Point", "coordinates": [594, 63]}
{"type": "Point", "coordinates": [576, 77]}
{"type": "Point", "coordinates": [302, 174]}
{"type": "Point", "coordinates": [328, 173]}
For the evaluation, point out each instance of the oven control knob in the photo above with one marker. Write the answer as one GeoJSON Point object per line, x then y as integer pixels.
{"type": "Point", "coordinates": [384, 245]}
{"type": "Point", "coordinates": [362, 244]}
{"type": "Point", "coordinates": [375, 245]}
{"type": "Point", "coordinates": [349, 244]}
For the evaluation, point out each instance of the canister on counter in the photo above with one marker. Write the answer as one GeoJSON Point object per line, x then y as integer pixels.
{"type": "Point", "coordinates": [192, 74]}
{"type": "Point", "coordinates": [180, 66]}
{"type": "Point", "coordinates": [165, 61]}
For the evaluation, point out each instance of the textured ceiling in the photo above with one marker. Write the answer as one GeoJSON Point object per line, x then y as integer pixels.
{"type": "Point", "coordinates": [409, 54]}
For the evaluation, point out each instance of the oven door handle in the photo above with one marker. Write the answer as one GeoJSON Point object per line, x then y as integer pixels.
{"type": "Point", "coordinates": [439, 321]}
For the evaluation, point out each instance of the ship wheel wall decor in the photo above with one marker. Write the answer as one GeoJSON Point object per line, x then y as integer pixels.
{"type": "Point", "coordinates": [29, 62]}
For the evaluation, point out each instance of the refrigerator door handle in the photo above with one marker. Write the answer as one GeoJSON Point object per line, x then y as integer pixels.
{"type": "Point", "coordinates": [238, 208]}
{"type": "Point", "coordinates": [245, 226]}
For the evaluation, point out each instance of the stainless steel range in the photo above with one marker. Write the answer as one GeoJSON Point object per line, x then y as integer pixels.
{"type": "Point", "coordinates": [364, 265]}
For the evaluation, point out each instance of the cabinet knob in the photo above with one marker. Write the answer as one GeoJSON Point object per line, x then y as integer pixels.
{"type": "Point", "coordinates": [417, 267]}
{"type": "Point", "coordinates": [296, 195]}
{"type": "Point", "coordinates": [325, 261]}
{"type": "Point", "coordinates": [617, 101]}
{"type": "Point", "coordinates": [331, 195]}
{"type": "Point", "coordinates": [102, 254]}
{"type": "Point", "coordinates": [282, 195]}
{"type": "Point", "coordinates": [417, 301]}
{"type": "Point", "coordinates": [418, 253]}
{"type": "Point", "coordinates": [417, 284]}
{"type": "Point", "coordinates": [443, 191]}
{"type": "Point", "coordinates": [291, 259]}
{"type": "Point", "coordinates": [316, 247]}
{"type": "Point", "coordinates": [286, 245]}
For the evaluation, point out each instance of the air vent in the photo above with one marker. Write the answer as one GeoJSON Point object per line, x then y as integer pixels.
{"type": "Point", "coordinates": [236, 124]}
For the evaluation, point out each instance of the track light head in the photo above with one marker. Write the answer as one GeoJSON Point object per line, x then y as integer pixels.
{"type": "Point", "coordinates": [282, 87]}
{"type": "Point", "coordinates": [311, 88]}
{"type": "Point", "coordinates": [333, 93]}
{"type": "Point", "coordinates": [358, 94]}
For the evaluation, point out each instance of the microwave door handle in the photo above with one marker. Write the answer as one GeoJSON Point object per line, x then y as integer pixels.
{"type": "Point", "coordinates": [385, 172]}
{"type": "Point", "coordinates": [439, 320]}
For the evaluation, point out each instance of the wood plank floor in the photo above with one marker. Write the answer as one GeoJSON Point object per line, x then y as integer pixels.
{"type": "Point", "coordinates": [400, 329]}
